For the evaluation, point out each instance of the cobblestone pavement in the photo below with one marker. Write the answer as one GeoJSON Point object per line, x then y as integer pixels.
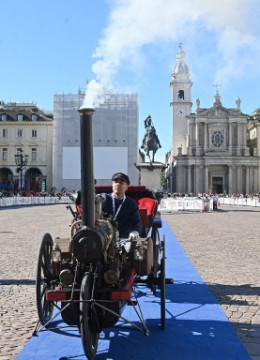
{"type": "Point", "coordinates": [21, 232]}
{"type": "Point", "coordinates": [223, 246]}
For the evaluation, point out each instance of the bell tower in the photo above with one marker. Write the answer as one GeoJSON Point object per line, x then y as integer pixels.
{"type": "Point", "coordinates": [181, 103]}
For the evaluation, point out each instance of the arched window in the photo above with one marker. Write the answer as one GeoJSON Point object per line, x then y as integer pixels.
{"type": "Point", "coordinates": [181, 94]}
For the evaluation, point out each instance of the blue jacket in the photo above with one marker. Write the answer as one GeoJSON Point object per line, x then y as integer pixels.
{"type": "Point", "coordinates": [128, 218]}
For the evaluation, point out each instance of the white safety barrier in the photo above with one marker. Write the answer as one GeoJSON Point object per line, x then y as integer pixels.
{"type": "Point", "coordinates": [170, 205]}
{"type": "Point", "coordinates": [238, 201]}
{"type": "Point", "coordinates": [34, 200]}
{"type": "Point", "coordinates": [167, 205]}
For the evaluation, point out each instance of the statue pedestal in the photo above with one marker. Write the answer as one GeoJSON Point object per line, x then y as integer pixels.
{"type": "Point", "coordinates": [151, 174]}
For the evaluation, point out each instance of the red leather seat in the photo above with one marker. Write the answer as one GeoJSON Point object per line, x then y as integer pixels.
{"type": "Point", "coordinates": [150, 206]}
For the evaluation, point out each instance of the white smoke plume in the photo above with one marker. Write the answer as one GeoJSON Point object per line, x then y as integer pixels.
{"type": "Point", "coordinates": [95, 94]}
{"type": "Point", "coordinates": [134, 24]}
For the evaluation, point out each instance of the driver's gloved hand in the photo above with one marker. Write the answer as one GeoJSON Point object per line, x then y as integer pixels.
{"type": "Point", "coordinates": [133, 235]}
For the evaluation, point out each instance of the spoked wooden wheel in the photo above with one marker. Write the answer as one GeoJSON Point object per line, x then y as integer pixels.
{"type": "Point", "coordinates": [44, 279]}
{"type": "Point", "coordinates": [162, 283]}
{"type": "Point", "coordinates": [88, 318]}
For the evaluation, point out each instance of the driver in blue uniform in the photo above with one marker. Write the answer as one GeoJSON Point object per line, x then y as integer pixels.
{"type": "Point", "coordinates": [122, 209]}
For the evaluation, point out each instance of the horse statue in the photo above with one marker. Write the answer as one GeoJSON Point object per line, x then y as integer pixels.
{"type": "Point", "coordinates": [151, 142]}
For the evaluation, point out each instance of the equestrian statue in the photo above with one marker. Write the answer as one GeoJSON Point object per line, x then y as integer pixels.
{"type": "Point", "coordinates": [151, 142]}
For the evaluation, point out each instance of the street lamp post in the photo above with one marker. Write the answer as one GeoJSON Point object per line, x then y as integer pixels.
{"type": "Point", "coordinates": [21, 161]}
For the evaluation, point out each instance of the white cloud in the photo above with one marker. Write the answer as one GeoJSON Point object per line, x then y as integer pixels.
{"type": "Point", "coordinates": [135, 24]}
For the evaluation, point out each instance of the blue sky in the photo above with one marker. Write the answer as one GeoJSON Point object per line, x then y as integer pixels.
{"type": "Point", "coordinates": [57, 46]}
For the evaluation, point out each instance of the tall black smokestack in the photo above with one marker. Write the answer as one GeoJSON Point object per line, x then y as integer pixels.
{"type": "Point", "coordinates": [87, 167]}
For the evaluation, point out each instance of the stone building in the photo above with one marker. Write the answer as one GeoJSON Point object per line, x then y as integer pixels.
{"type": "Point", "coordinates": [115, 128]}
{"type": "Point", "coordinates": [254, 133]}
{"type": "Point", "coordinates": [210, 151]}
{"type": "Point", "coordinates": [25, 147]}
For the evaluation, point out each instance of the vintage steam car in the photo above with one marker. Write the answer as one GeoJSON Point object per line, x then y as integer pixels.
{"type": "Point", "coordinates": [89, 277]}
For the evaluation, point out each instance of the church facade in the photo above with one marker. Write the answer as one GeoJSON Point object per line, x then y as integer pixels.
{"type": "Point", "coordinates": [209, 147]}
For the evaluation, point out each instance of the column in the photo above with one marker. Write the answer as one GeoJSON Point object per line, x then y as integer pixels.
{"type": "Point", "coordinates": [230, 179]}
{"type": "Point", "coordinates": [206, 179]}
{"type": "Point", "coordinates": [197, 179]}
{"type": "Point", "coordinates": [178, 178]}
{"type": "Point", "coordinates": [184, 178]}
{"type": "Point", "coordinates": [239, 179]}
{"type": "Point", "coordinates": [206, 144]}
{"type": "Point", "coordinates": [247, 179]}
{"type": "Point", "coordinates": [241, 135]}
{"type": "Point", "coordinates": [244, 136]}
{"type": "Point", "coordinates": [197, 139]}
{"type": "Point", "coordinates": [230, 140]}
{"type": "Point", "coordinates": [240, 128]}
{"type": "Point", "coordinates": [189, 178]}
{"type": "Point", "coordinates": [255, 182]}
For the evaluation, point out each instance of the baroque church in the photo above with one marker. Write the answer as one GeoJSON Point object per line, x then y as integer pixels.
{"type": "Point", "coordinates": [209, 147]}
